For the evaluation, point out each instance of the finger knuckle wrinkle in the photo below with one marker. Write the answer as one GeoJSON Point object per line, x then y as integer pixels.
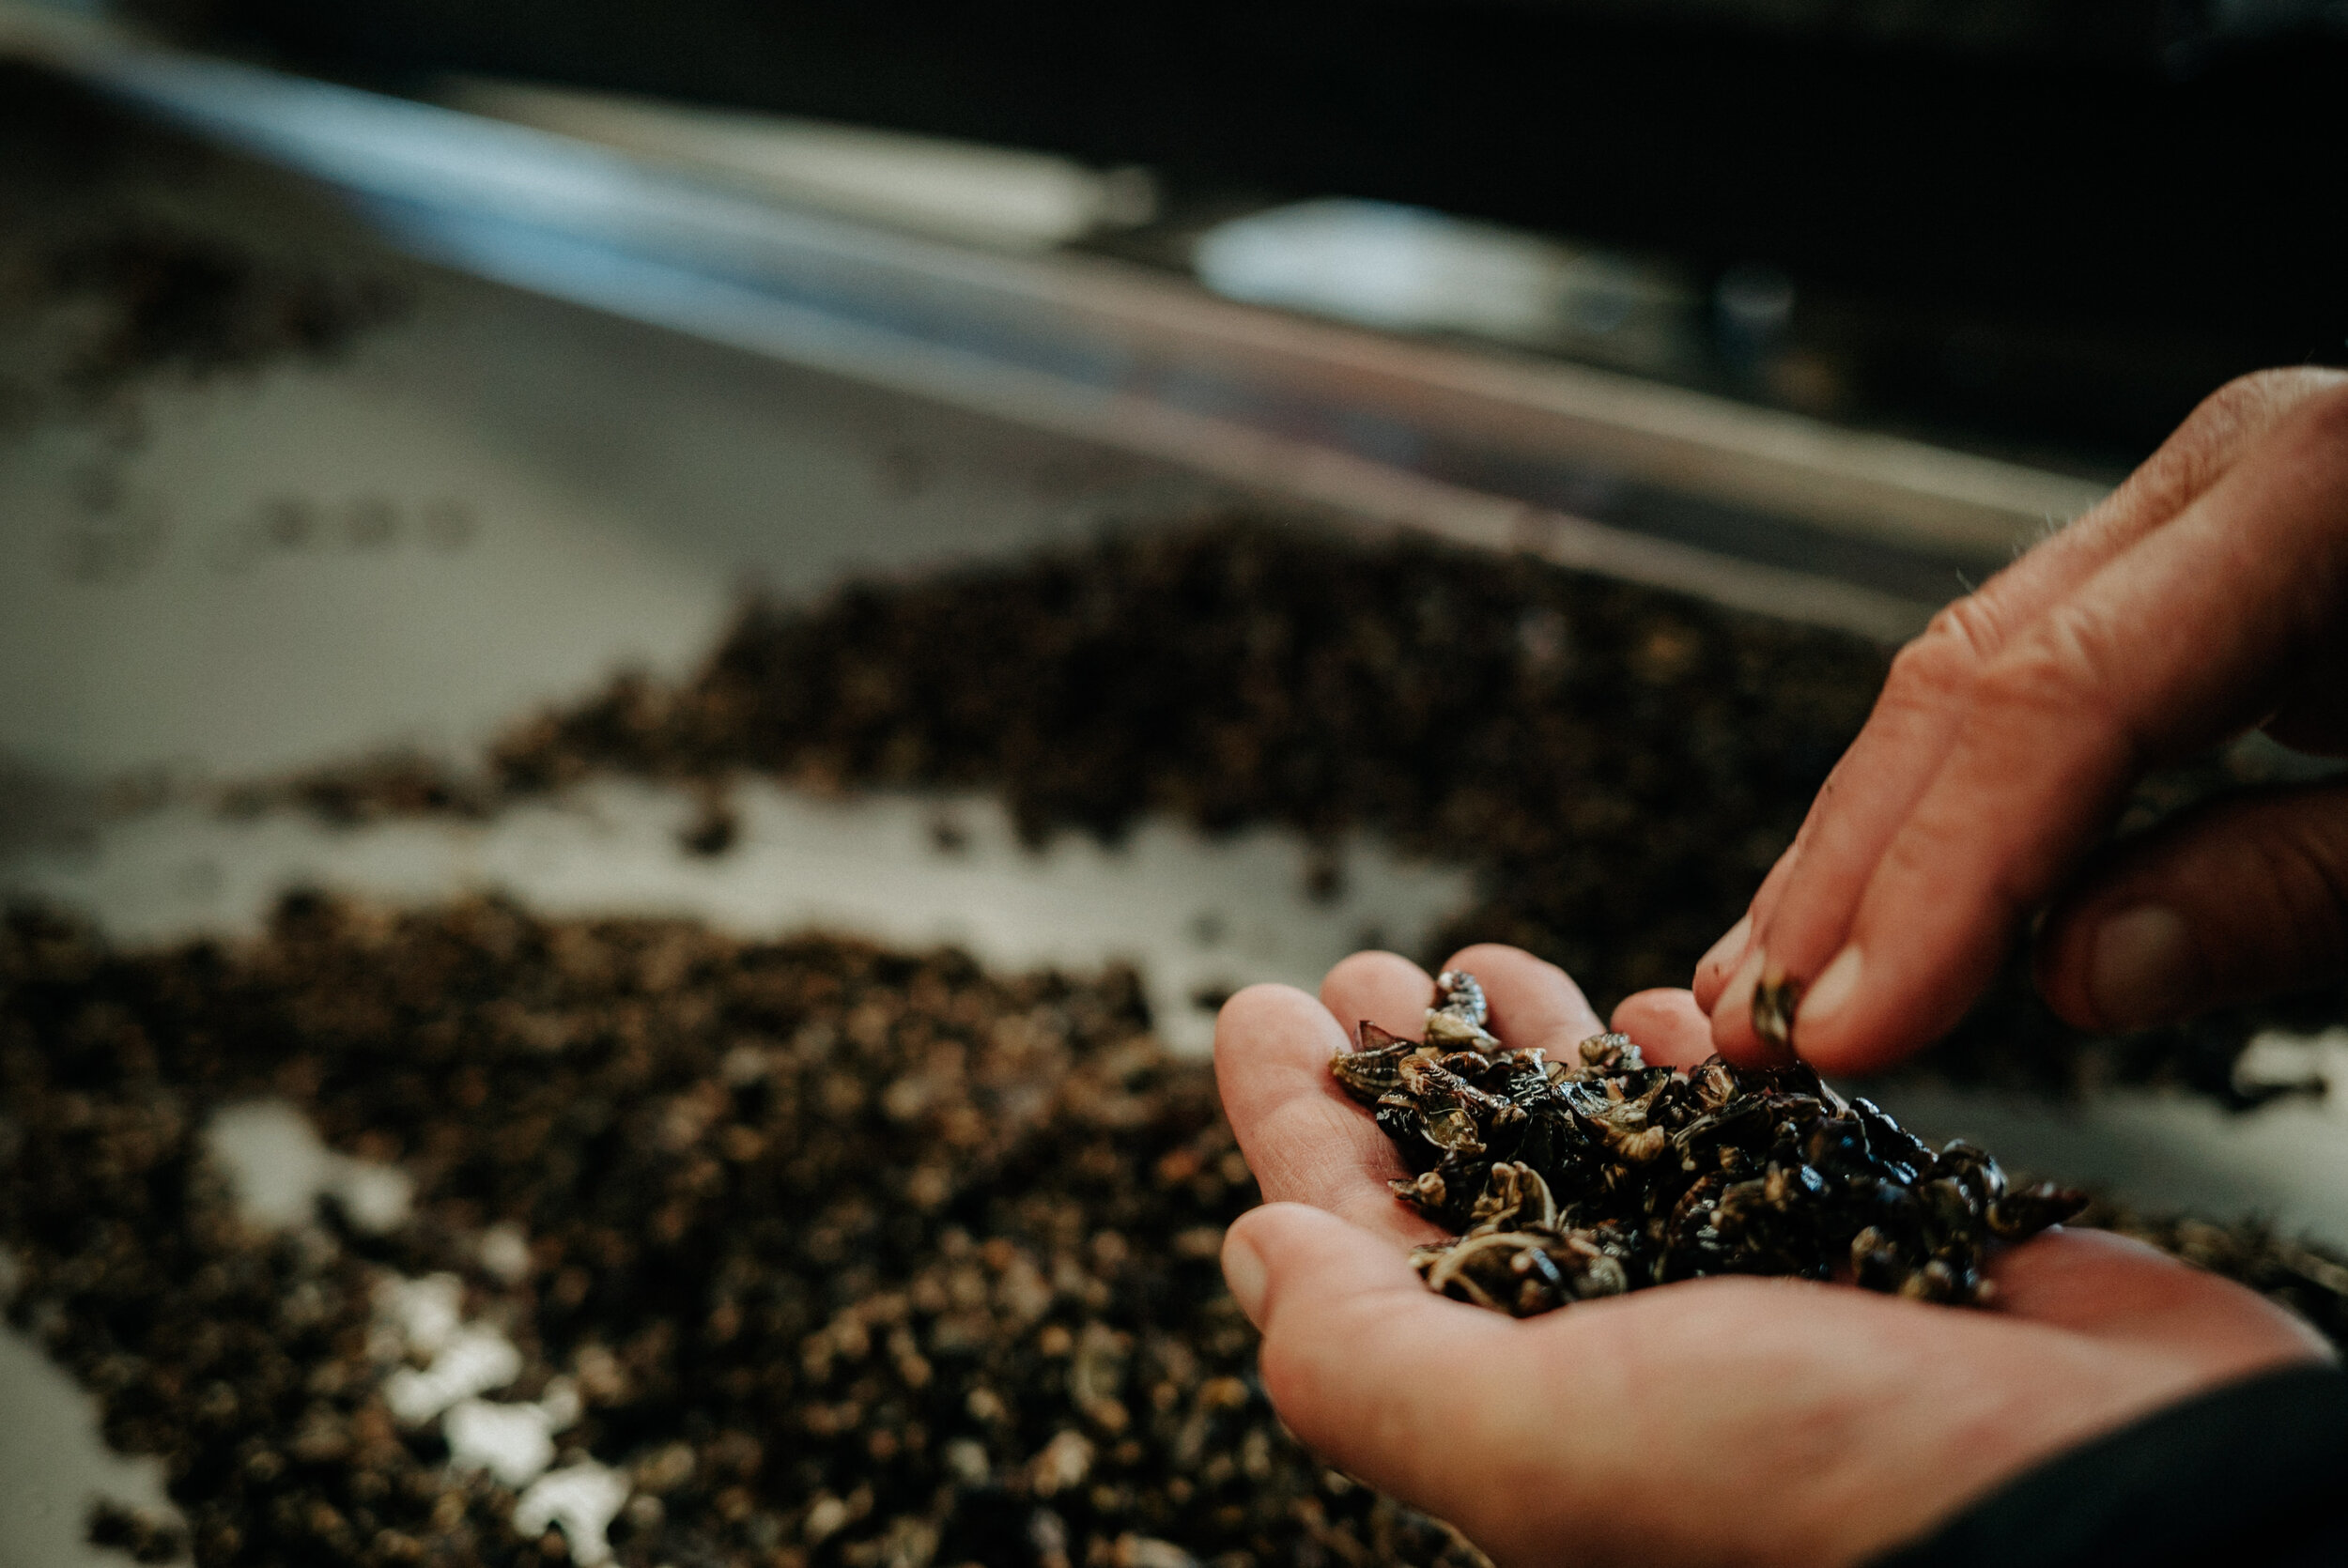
{"type": "Point", "coordinates": [2251, 389]}
{"type": "Point", "coordinates": [2239, 409]}
{"type": "Point", "coordinates": [2261, 393]}
{"type": "Point", "coordinates": [1949, 656]}
{"type": "Point", "coordinates": [2071, 664]}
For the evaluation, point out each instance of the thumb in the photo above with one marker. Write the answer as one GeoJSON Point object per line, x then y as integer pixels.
{"type": "Point", "coordinates": [1362, 1360]}
{"type": "Point", "coordinates": [2238, 900]}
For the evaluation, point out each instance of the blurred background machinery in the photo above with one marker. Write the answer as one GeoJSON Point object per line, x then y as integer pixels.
{"type": "Point", "coordinates": [2044, 228]}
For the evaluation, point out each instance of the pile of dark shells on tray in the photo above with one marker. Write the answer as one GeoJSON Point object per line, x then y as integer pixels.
{"type": "Point", "coordinates": [1619, 765]}
{"type": "Point", "coordinates": [1599, 1175]}
{"type": "Point", "coordinates": [831, 1255]}
{"type": "Point", "coordinates": [836, 1256]}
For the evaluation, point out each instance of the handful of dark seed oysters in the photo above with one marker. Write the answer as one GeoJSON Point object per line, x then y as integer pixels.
{"type": "Point", "coordinates": [1574, 1179]}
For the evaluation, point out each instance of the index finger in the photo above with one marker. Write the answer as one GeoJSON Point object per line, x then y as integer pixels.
{"type": "Point", "coordinates": [2168, 647]}
{"type": "Point", "coordinates": [1800, 920]}
{"type": "Point", "coordinates": [1304, 1138]}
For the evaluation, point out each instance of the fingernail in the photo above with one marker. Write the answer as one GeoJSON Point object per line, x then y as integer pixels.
{"type": "Point", "coordinates": [2141, 968]}
{"type": "Point", "coordinates": [1837, 984]}
{"type": "Point", "coordinates": [1244, 1271]}
{"type": "Point", "coordinates": [1724, 952]}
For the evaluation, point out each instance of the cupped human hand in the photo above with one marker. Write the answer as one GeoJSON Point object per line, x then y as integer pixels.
{"type": "Point", "coordinates": [2206, 597]}
{"type": "Point", "coordinates": [1719, 1421]}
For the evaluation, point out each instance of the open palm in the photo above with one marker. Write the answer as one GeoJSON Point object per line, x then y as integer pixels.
{"type": "Point", "coordinates": [1726, 1419]}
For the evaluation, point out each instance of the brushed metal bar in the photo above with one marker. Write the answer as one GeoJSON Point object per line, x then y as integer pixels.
{"type": "Point", "coordinates": [1115, 353]}
{"type": "Point", "coordinates": [1380, 494]}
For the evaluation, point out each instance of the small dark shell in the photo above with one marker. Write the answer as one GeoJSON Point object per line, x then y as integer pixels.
{"type": "Point", "coordinates": [1458, 1018]}
{"type": "Point", "coordinates": [2033, 1209]}
{"type": "Point", "coordinates": [1373, 1067]}
{"type": "Point", "coordinates": [1605, 1054]}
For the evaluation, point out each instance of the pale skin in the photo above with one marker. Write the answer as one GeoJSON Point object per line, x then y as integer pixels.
{"type": "Point", "coordinates": [2207, 596]}
{"type": "Point", "coordinates": [1780, 1421]}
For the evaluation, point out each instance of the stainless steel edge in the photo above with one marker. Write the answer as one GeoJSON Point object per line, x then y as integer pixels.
{"type": "Point", "coordinates": [1350, 487]}
{"type": "Point", "coordinates": [1090, 347]}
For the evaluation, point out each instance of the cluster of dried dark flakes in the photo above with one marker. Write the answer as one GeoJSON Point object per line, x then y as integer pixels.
{"type": "Point", "coordinates": [109, 285]}
{"type": "Point", "coordinates": [174, 302]}
{"type": "Point", "coordinates": [1621, 765]}
{"type": "Point", "coordinates": [853, 1257]}
{"type": "Point", "coordinates": [144, 1534]}
{"type": "Point", "coordinates": [1600, 1174]}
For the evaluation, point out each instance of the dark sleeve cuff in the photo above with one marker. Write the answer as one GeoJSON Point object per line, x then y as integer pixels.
{"type": "Point", "coordinates": [2256, 1472]}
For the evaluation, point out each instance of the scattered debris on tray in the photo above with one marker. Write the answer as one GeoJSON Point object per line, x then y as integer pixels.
{"type": "Point", "coordinates": [111, 283]}
{"type": "Point", "coordinates": [1599, 1175]}
{"type": "Point", "coordinates": [718, 1253]}
{"type": "Point", "coordinates": [1622, 764]}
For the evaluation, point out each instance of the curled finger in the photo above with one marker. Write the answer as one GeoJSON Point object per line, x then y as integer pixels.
{"type": "Point", "coordinates": [1386, 989]}
{"type": "Point", "coordinates": [1940, 684]}
{"type": "Point", "coordinates": [1304, 1139]}
{"type": "Point", "coordinates": [2171, 646]}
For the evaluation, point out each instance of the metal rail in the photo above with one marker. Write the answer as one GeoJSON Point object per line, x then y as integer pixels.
{"type": "Point", "coordinates": [1754, 509]}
